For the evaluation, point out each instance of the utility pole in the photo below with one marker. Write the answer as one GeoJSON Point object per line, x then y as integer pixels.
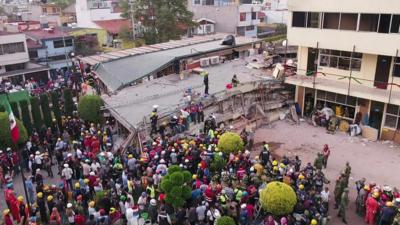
{"type": "Point", "coordinates": [133, 20]}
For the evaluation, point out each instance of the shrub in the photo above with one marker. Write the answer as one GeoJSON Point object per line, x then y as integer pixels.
{"type": "Point", "coordinates": [278, 198]}
{"type": "Point", "coordinates": [36, 114]}
{"type": "Point", "coordinates": [218, 163]}
{"type": "Point", "coordinates": [230, 142]}
{"type": "Point", "coordinates": [15, 109]}
{"type": "Point", "coordinates": [5, 134]}
{"type": "Point", "coordinates": [176, 186]}
{"type": "Point", "coordinates": [68, 102]}
{"type": "Point", "coordinates": [26, 115]}
{"type": "Point", "coordinates": [56, 107]}
{"type": "Point", "coordinates": [89, 108]}
{"type": "Point", "coordinates": [44, 103]}
{"type": "Point", "coordinates": [225, 220]}
{"type": "Point", "coordinates": [2, 109]}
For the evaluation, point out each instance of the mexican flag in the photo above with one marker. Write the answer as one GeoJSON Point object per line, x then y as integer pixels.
{"type": "Point", "coordinates": [13, 123]}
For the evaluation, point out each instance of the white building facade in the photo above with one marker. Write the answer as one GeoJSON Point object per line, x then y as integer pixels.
{"type": "Point", "coordinates": [349, 59]}
{"type": "Point", "coordinates": [88, 11]}
{"type": "Point", "coordinates": [236, 17]}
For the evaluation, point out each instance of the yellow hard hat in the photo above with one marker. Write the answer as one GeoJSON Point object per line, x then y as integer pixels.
{"type": "Point", "coordinates": [6, 211]}
{"type": "Point", "coordinates": [130, 156]}
{"type": "Point", "coordinates": [389, 204]}
{"type": "Point", "coordinates": [366, 187]}
{"type": "Point", "coordinates": [275, 168]}
{"type": "Point", "coordinates": [314, 222]}
{"type": "Point", "coordinates": [275, 163]}
{"type": "Point", "coordinates": [77, 185]}
{"type": "Point", "coordinates": [194, 176]}
{"type": "Point", "coordinates": [20, 198]}
{"type": "Point", "coordinates": [40, 195]}
{"type": "Point", "coordinates": [375, 194]}
{"type": "Point", "coordinates": [301, 177]}
{"type": "Point", "coordinates": [112, 209]}
{"type": "Point", "coordinates": [301, 187]}
{"type": "Point", "coordinates": [50, 198]}
{"type": "Point", "coordinates": [91, 204]}
{"type": "Point", "coordinates": [282, 165]}
{"type": "Point", "coordinates": [86, 181]}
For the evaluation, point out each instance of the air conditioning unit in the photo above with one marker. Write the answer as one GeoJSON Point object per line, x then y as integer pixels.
{"type": "Point", "coordinates": [214, 60]}
{"type": "Point", "coordinates": [204, 62]}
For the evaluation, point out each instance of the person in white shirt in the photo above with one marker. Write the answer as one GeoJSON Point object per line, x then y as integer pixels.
{"type": "Point", "coordinates": [325, 194]}
{"type": "Point", "coordinates": [38, 160]}
{"type": "Point", "coordinates": [67, 174]}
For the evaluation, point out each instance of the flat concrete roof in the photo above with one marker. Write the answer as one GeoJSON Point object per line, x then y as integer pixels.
{"type": "Point", "coordinates": [135, 103]}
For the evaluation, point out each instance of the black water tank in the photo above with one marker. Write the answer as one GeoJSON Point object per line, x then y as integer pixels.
{"type": "Point", "coordinates": [229, 40]}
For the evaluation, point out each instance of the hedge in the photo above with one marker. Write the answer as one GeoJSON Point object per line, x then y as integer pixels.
{"type": "Point", "coordinates": [15, 109]}
{"type": "Point", "coordinates": [230, 142]}
{"type": "Point", "coordinates": [89, 108]}
{"type": "Point", "coordinates": [278, 198]}
{"type": "Point", "coordinates": [44, 103]}
{"type": "Point", "coordinates": [26, 116]}
{"type": "Point", "coordinates": [68, 102]}
{"type": "Point", "coordinates": [55, 97]}
{"type": "Point", "coordinates": [36, 114]}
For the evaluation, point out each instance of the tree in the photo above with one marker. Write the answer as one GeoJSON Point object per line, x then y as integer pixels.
{"type": "Point", "coordinates": [56, 107]}
{"type": "Point", "coordinates": [15, 109]}
{"type": "Point", "coordinates": [36, 114]}
{"type": "Point", "coordinates": [68, 102]}
{"type": "Point", "coordinates": [278, 198]}
{"type": "Point", "coordinates": [225, 220]}
{"type": "Point", "coordinates": [26, 116]}
{"type": "Point", "coordinates": [163, 20]}
{"type": "Point", "coordinates": [2, 109]}
{"type": "Point", "coordinates": [218, 163]}
{"type": "Point", "coordinates": [230, 142]}
{"type": "Point", "coordinates": [89, 108]}
{"type": "Point", "coordinates": [44, 103]}
{"type": "Point", "coordinates": [5, 134]}
{"type": "Point", "coordinates": [176, 185]}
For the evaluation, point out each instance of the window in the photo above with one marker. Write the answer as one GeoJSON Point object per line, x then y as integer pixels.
{"type": "Point", "coordinates": [396, 67]}
{"type": "Point", "coordinates": [208, 28]}
{"type": "Point", "coordinates": [44, 10]}
{"type": "Point", "coordinates": [241, 31]}
{"type": "Point", "coordinates": [196, 2]}
{"type": "Point", "coordinates": [209, 2]}
{"type": "Point", "coordinates": [369, 22]}
{"type": "Point", "coordinates": [12, 67]}
{"type": "Point", "coordinates": [395, 24]}
{"type": "Point", "coordinates": [331, 20]}
{"type": "Point", "coordinates": [253, 15]}
{"type": "Point", "coordinates": [299, 19]}
{"type": "Point", "coordinates": [313, 19]}
{"type": "Point", "coordinates": [334, 101]}
{"type": "Point", "coordinates": [60, 43]}
{"type": "Point", "coordinates": [250, 28]}
{"type": "Point", "coordinates": [340, 59]}
{"type": "Point", "coordinates": [384, 23]}
{"type": "Point", "coordinates": [12, 48]}
{"type": "Point", "coordinates": [33, 54]}
{"type": "Point", "coordinates": [348, 21]}
{"type": "Point", "coordinates": [242, 16]}
{"type": "Point", "coordinates": [392, 116]}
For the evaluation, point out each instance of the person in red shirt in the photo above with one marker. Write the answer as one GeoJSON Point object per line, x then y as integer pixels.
{"type": "Point", "coordinates": [326, 152]}
{"type": "Point", "coordinates": [95, 145]}
{"type": "Point", "coordinates": [7, 217]}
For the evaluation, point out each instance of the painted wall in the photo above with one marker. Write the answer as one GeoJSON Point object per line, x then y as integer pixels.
{"type": "Point", "coordinates": [85, 16]}
{"type": "Point", "coordinates": [14, 58]}
{"type": "Point", "coordinates": [51, 51]}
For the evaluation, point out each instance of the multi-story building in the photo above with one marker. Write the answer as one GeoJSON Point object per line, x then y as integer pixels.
{"type": "Point", "coordinates": [349, 59]}
{"type": "Point", "coordinates": [239, 17]}
{"type": "Point", "coordinates": [14, 59]}
{"type": "Point", "coordinates": [50, 47]}
{"type": "Point", "coordinates": [89, 11]}
{"type": "Point", "coordinates": [35, 11]}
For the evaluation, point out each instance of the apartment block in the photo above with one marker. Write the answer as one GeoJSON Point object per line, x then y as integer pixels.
{"type": "Point", "coordinates": [349, 59]}
{"type": "Point", "coordinates": [230, 16]}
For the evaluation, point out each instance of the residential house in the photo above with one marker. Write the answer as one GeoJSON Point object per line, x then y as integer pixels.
{"type": "Point", "coordinates": [14, 60]}
{"type": "Point", "coordinates": [50, 47]}
{"type": "Point", "coordinates": [350, 52]}
{"type": "Point", "coordinates": [230, 16]}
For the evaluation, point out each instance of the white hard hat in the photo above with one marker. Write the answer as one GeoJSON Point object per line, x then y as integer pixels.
{"type": "Point", "coordinates": [37, 153]}
{"type": "Point", "coordinates": [243, 206]}
{"type": "Point", "coordinates": [92, 173]}
{"type": "Point", "coordinates": [69, 155]}
{"type": "Point", "coordinates": [69, 205]}
{"type": "Point", "coordinates": [8, 149]}
{"type": "Point", "coordinates": [153, 202]}
{"type": "Point", "coordinates": [155, 106]}
{"type": "Point", "coordinates": [66, 165]}
{"type": "Point", "coordinates": [162, 161]}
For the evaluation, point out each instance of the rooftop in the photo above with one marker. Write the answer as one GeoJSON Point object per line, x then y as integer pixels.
{"type": "Point", "coordinates": [135, 103]}
{"type": "Point", "coordinates": [113, 26]}
{"type": "Point", "coordinates": [3, 33]}
{"type": "Point", "coordinates": [46, 34]}
{"type": "Point", "coordinates": [120, 68]}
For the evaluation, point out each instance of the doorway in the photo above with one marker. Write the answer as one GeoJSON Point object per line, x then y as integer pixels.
{"type": "Point", "coordinates": [376, 115]}
{"type": "Point", "coordinates": [382, 71]}
{"type": "Point", "coordinates": [312, 60]}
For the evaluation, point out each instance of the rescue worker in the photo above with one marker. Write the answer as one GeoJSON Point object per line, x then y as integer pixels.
{"type": "Point", "coordinates": [42, 207]}
{"type": "Point", "coordinates": [372, 207]}
{"type": "Point", "coordinates": [326, 152]}
{"type": "Point", "coordinates": [388, 213]}
{"type": "Point", "coordinates": [153, 120]}
{"type": "Point", "coordinates": [360, 201]}
{"type": "Point", "coordinates": [264, 156]}
{"type": "Point", "coordinates": [344, 202]}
